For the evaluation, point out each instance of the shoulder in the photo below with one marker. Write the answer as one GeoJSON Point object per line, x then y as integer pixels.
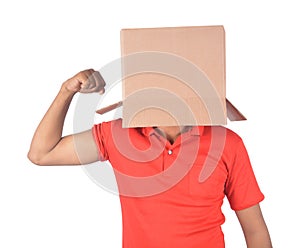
{"type": "Point", "coordinates": [117, 123]}
{"type": "Point", "coordinates": [218, 132]}
{"type": "Point", "coordinates": [104, 129]}
{"type": "Point", "coordinates": [107, 128]}
{"type": "Point", "coordinates": [226, 140]}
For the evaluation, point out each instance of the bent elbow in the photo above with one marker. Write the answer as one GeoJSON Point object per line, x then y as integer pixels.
{"type": "Point", "coordinates": [34, 158]}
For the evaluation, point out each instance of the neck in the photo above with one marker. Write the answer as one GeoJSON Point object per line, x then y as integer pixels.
{"type": "Point", "coordinates": [171, 132]}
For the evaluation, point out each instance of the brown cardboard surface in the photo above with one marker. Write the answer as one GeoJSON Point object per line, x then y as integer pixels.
{"type": "Point", "coordinates": [203, 47]}
{"type": "Point", "coordinates": [174, 76]}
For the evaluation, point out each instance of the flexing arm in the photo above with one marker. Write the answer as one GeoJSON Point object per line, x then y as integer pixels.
{"type": "Point", "coordinates": [254, 227]}
{"type": "Point", "coordinates": [48, 147]}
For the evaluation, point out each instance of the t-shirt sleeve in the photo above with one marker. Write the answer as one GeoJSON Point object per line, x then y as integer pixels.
{"type": "Point", "coordinates": [100, 136]}
{"type": "Point", "coordinates": [241, 188]}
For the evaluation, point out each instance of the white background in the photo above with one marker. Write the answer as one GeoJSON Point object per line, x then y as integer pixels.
{"type": "Point", "coordinates": [44, 43]}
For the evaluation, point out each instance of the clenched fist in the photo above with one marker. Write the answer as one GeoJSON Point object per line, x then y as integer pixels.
{"type": "Point", "coordinates": [87, 81]}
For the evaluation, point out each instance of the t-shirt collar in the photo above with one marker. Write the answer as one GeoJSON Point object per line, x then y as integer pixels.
{"type": "Point", "coordinates": [194, 130]}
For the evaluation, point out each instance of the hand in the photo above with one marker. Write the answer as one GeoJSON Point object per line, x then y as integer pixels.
{"type": "Point", "coordinates": [87, 81]}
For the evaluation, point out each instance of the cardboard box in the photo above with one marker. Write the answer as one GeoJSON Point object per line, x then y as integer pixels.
{"type": "Point", "coordinates": [174, 76]}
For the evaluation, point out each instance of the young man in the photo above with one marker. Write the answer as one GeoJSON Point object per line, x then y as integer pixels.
{"type": "Point", "coordinates": [188, 214]}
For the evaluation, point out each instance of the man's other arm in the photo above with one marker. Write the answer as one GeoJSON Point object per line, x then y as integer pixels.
{"type": "Point", "coordinates": [254, 227]}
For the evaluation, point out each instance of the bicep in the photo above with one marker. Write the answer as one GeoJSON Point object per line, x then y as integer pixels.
{"type": "Point", "coordinates": [76, 149]}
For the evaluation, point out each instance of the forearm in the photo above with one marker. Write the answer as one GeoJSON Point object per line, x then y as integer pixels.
{"type": "Point", "coordinates": [49, 131]}
{"type": "Point", "coordinates": [258, 239]}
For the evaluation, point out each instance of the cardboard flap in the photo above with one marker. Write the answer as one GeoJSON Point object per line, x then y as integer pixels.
{"type": "Point", "coordinates": [109, 108]}
{"type": "Point", "coordinates": [233, 114]}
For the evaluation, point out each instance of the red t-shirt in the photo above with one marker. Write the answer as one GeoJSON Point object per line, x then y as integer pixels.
{"type": "Point", "coordinates": [171, 194]}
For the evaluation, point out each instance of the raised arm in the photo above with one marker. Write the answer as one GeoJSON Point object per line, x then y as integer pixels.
{"type": "Point", "coordinates": [48, 147]}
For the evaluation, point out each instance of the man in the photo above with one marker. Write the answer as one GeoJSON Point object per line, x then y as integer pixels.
{"type": "Point", "coordinates": [188, 214]}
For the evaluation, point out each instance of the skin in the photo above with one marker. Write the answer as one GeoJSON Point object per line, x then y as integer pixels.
{"type": "Point", "coordinates": [48, 147]}
{"type": "Point", "coordinates": [170, 132]}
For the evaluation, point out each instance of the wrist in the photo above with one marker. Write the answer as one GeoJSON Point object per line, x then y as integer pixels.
{"type": "Point", "coordinates": [66, 92]}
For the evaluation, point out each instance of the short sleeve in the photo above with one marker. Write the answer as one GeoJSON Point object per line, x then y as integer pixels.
{"type": "Point", "coordinates": [100, 134]}
{"type": "Point", "coordinates": [241, 188]}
